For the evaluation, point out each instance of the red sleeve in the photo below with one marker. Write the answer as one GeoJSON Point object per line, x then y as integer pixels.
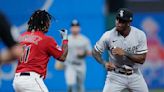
{"type": "Point", "coordinates": [53, 49]}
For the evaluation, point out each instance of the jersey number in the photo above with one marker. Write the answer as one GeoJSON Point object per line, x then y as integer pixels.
{"type": "Point", "coordinates": [26, 53]}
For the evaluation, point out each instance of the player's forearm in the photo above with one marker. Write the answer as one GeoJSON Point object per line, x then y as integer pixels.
{"type": "Point", "coordinates": [65, 49]}
{"type": "Point", "coordinates": [137, 58]}
{"type": "Point", "coordinates": [98, 57]}
{"type": "Point", "coordinates": [6, 57]}
{"type": "Point", "coordinates": [11, 54]}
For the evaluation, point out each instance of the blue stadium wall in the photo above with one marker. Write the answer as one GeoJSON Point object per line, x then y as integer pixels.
{"type": "Point", "coordinates": [90, 15]}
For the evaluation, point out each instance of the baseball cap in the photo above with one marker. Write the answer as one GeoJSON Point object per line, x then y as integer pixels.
{"type": "Point", "coordinates": [124, 14]}
{"type": "Point", "coordinates": [75, 23]}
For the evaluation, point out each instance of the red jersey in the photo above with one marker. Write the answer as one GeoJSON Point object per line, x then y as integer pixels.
{"type": "Point", "coordinates": [37, 50]}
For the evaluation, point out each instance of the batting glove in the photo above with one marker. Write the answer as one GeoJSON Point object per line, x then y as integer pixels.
{"type": "Point", "coordinates": [64, 34]}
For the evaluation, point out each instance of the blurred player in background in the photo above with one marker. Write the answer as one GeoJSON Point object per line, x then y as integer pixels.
{"type": "Point", "coordinates": [79, 47]}
{"type": "Point", "coordinates": [14, 50]}
{"type": "Point", "coordinates": [127, 47]}
{"type": "Point", "coordinates": [38, 48]}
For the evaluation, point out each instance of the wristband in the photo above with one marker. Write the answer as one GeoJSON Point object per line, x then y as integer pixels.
{"type": "Point", "coordinates": [65, 41]}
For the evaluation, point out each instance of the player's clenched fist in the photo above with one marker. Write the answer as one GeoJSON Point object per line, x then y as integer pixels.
{"type": "Point", "coordinates": [64, 34]}
{"type": "Point", "coordinates": [118, 51]}
{"type": "Point", "coordinates": [109, 66]}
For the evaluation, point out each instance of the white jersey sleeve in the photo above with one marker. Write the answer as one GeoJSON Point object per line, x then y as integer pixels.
{"type": "Point", "coordinates": [102, 44]}
{"type": "Point", "coordinates": [142, 46]}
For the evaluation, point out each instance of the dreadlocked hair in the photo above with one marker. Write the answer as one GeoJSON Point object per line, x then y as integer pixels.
{"type": "Point", "coordinates": [39, 21]}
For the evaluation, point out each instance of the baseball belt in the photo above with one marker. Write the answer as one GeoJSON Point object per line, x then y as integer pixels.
{"type": "Point", "coordinates": [124, 71]}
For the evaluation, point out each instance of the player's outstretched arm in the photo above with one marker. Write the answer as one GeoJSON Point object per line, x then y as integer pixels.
{"type": "Point", "coordinates": [55, 50]}
{"type": "Point", "coordinates": [11, 54]}
{"type": "Point", "coordinates": [65, 49]}
{"type": "Point", "coordinates": [14, 50]}
{"type": "Point", "coordinates": [64, 34]}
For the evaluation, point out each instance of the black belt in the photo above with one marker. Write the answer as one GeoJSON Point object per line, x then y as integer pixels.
{"type": "Point", "coordinates": [24, 74]}
{"type": "Point", "coordinates": [27, 74]}
{"type": "Point", "coordinates": [76, 63]}
{"type": "Point", "coordinates": [125, 72]}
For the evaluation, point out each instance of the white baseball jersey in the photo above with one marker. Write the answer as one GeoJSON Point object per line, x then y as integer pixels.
{"type": "Point", "coordinates": [75, 67]}
{"type": "Point", "coordinates": [77, 45]}
{"type": "Point", "coordinates": [134, 43]}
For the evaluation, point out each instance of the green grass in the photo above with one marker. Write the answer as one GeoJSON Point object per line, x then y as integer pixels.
{"type": "Point", "coordinates": [158, 90]}
{"type": "Point", "coordinates": [154, 90]}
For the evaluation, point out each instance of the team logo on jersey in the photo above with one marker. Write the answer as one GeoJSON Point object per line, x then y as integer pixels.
{"type": "Point", "coordinates": [121, 13]}
{"type": "Point", "coordinates": [132, 49]}
{"type": "Point", "coordinates": [30, 38]}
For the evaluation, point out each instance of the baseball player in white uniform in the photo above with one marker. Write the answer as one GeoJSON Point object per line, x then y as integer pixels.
{"type": "Point", "coordinates": [127, 47]}
{"type": "Point", "coordinates": [75, 68]}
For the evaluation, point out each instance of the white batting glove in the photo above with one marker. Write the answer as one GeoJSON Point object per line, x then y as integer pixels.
{"type": "Point", "coordinates": [64, 34]}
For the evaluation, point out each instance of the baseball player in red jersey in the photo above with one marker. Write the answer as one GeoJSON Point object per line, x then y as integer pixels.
{"type": "Point", "coordinates": [38, 48]}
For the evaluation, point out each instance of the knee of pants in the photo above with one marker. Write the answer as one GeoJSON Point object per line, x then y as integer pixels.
{"type": "Point", "coordinates": [71, 81]}
{"type": "Point", "coordinates": [70, 76]}
{"type": "Point", "coordinates": [139, 85]}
